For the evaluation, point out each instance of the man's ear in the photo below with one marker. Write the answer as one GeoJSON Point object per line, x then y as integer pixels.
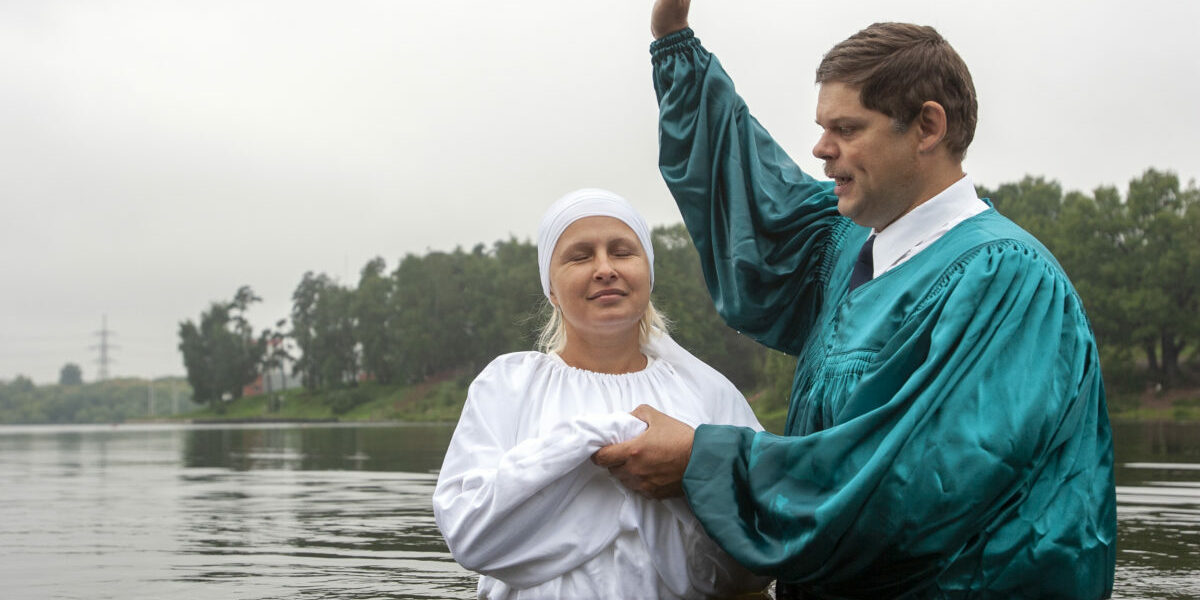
{"type": "Point", "coordinates": [931, 125]}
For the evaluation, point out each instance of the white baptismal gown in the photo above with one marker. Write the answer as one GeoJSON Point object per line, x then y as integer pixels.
{"type": "Point", "coordinates": [519, 501]}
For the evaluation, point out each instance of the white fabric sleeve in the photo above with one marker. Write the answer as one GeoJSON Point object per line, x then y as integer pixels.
{"type": "Point", "coordinates": [733, 409]}
{"type": "Point", "coordinates": [518, 514]}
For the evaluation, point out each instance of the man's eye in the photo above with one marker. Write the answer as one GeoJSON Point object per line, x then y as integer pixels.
{"type": "Point", "coordinates": [846, 131]}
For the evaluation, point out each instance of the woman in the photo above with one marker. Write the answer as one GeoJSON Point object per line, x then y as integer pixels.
{"type": "Point", "coordinates": [517, 499]}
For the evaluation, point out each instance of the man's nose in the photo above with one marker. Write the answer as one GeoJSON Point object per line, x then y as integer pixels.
{"type": "Point", "coordinates": [825, 149]}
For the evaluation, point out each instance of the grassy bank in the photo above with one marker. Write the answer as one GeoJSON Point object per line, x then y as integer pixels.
{"type": "Point", "coordinates": [1174, 405]}
{"type": "Point", "coordinates": [442, 401]}
{"type": "Point", "coordinates": [439, 401]}
{"type": "Point", "coordinates": [1179, 414]}
{"type": "Point", "coordinates": [433, 401]}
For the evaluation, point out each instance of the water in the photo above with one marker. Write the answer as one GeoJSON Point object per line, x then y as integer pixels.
{"type": "Point", "coordinates": [223, 512]}
{"type": "Point", "coordinates": [1158, 510]}
{"type": "Point", "coordinates": [342, 511]}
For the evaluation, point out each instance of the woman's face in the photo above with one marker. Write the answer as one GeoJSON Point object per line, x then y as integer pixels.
{"type": "Point", "coordinates": [599, 277]}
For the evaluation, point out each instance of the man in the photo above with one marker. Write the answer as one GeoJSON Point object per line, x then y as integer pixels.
{"type": "Point", "coordinates": [947, 434]}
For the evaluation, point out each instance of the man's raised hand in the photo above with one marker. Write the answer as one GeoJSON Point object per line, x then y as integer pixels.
{"type": "Point", "coordinates": [668, 17]}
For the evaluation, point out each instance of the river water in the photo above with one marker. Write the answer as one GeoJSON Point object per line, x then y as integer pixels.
{"type": "Point", "coordinates": [342, 511]}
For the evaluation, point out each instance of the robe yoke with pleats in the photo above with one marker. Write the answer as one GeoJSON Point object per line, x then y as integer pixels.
{"type": "Point", "coordinates": [947, 434]}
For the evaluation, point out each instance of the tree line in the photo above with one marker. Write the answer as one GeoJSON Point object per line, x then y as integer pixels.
{"type": "Point", "coordinates": [433, 316]}
{"type": "Point", "coordinates": [1135, 261]}
{"type": "Point", "coordinates": [109, 401]}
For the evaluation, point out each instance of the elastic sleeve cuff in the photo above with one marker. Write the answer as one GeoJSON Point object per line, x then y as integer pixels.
{"type": "Point", "coordinates": [674, 43]}
{"type": "Point", "coordinates": [717, 451]}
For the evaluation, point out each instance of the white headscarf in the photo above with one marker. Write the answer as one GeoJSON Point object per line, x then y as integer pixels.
{"type": "Point", "coordinates": [588, 202]}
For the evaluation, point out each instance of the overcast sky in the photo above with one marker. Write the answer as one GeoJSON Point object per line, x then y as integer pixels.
{"type": "Point", "coordinates": [155, 156]}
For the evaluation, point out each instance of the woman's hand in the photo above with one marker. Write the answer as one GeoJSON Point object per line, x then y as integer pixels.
{"type": "Point", "coordinates": [668, 17]}
{"type": "Point", "coordinates": [652, 463]}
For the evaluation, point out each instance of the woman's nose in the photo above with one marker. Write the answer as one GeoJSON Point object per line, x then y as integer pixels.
{"type": "Point", "coordinates": [604, 268]}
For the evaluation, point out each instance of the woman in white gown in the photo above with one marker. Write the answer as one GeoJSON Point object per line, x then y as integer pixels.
{"type": "Point", "coordinates": [518, 499]}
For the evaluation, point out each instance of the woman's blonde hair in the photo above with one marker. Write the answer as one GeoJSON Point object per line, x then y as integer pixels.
{"type": "Point", "coordinates": [553, 337]}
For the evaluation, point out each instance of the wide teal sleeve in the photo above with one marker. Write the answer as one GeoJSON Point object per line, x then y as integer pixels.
{"type": "Point", "coordinates": [767, 233]}
{"type": "Point", "coordinates": [973, 454]}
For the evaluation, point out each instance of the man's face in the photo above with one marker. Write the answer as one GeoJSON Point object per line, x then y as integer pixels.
{"type": "Point", "coordinates": [874, 167]}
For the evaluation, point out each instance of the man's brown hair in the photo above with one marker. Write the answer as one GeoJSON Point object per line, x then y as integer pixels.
{"type": "Point", "coordinates": [897, 67]}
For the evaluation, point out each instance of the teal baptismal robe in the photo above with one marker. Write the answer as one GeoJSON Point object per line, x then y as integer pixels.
{"type": "Point", "coordinates": [947, 434]}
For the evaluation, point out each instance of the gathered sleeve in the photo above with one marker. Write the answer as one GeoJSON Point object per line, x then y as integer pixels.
{"type": "Point", "coordinates": [518, 511]}
{"type": "Point", "coordinates": [767, 233]}
{"type": "Point", "coordinates": [982, 415]}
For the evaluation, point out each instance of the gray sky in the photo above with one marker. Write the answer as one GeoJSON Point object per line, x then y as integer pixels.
{"type": "Point", "coordinates": [155, 156]}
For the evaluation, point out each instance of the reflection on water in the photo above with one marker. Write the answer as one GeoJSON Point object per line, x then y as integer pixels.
{"type": "Point", "coordinates": [1158, 510]}
{"type": "Point", "coordinates": [341, 511]}
{"type": "Point", "coordinates": [323, 534]}
{"type": "Point", "coordinates": [396, 448]}
{"type": "Point", "coordinates": [223, 512]}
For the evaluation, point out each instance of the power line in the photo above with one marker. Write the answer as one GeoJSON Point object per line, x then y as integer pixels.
{"type": "Point", "coordinates": [104, 348]}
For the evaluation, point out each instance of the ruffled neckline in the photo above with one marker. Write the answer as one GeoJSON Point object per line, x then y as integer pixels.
{"type": "Point", "coordinates": [652, 365]}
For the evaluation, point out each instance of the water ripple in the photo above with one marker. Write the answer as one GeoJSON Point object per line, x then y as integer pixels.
{"type": "Point", "coordinates": [341, 512]}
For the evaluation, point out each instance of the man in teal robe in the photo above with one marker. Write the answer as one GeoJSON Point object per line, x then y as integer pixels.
{"type": "Point", "coordinates": [947, 434]}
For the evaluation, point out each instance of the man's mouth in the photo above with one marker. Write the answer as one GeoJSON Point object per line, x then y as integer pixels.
{"type": "Point", "coordinates": [839, 181]}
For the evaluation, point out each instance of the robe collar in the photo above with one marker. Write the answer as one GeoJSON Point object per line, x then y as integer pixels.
{"type": "Point", "coordinates": [925, 224]}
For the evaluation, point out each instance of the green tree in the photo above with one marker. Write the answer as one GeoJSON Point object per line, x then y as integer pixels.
{"type": "Point", "coordinates": [512, 322]}
{"type": "Point", "coordinates": [1134, 261]}
{"type": "Point", "coordinates": [70, 374]}
{"type": "Point", "coordinates": [1163, 238]}
{"type": "Point", "coordinates": [454, 312]}
{"type": "Point", "coordinates": [1034, 203]}
{"type": "Point", "coordinates": [431, 297]}
{"type": "Point", "coordinates": [20, 401]}
{"type": "Point", "coordinates": [374, 312]}
{"type": "Point", "coordinates": [276, 356]}
{"type": "Point", "coordinates": [1102, 265]}
{"type": "Point", "coordinates": [110, 401]}
{"type": "Point", "coordinates": [502, 297]}
{"type": "Point", "coordinates": [220, 353]}
{"type": "Point", "coordinates": [323, 327]}
{"type": "Point", "coordinates": [681, 294]}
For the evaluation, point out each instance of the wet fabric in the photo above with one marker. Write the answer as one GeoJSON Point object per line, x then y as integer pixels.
{"type": "Point", "coordinates": [947, 434]}
{"type": "Point", "coordinates": [519, 500]}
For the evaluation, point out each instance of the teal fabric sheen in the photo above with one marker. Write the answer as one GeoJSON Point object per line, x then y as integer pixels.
{"type": "Point", "coordinates": [947, 435]}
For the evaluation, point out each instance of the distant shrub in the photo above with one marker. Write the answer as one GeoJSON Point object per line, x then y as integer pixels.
{"type": "Point", "coordinates": [344, 401]}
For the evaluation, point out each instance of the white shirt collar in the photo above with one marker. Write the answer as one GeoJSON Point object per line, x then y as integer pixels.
{"type": "Point", "coordinates": [925, 224]}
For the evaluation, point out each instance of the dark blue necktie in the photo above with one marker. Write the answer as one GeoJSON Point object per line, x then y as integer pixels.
{"type": "Point", "coordinates": [864, 267]}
